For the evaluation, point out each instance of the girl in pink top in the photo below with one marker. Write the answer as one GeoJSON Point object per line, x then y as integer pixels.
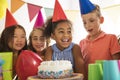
{"type": "Point", "coordinates": [98, 45]}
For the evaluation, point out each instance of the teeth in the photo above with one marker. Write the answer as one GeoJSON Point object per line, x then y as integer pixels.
{"type": "Point", "coordinates": [41, 45]}
{"type": "Point", "coordinates": [65, 40]}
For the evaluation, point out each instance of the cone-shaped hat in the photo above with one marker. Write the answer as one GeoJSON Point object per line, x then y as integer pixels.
{"type": "Point", "coordinates": [9, 19]}
{"type": "Point", "coordinates": [58, 12]}
{"type": "Point", "coordinates": [39, 20]}
{"type": "Point", "coordinates": [86, 6]}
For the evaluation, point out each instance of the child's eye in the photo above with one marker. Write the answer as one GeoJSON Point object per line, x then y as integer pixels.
{"type": "Point", "coordinates": [22, 36]}
{"type": "Point", "coordinates": [91, 20]}
{"type": "Point", "coordinates": [42, 38]}
{"type": "Point", "coordinates": [69, 32]}
{"type": "Point", "coordinates": [14, 36]}
{"type": "Point", "coordinates": [61, 31]}
{"type": "Point", "coordinates": [35, 38]}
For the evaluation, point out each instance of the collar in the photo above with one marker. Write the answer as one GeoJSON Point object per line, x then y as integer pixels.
{"type": "Point", "coordinates": [102, 34]}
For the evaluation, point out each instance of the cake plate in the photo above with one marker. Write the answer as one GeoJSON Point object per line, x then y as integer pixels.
{"type": "Point", "coordinates": [75, 76]}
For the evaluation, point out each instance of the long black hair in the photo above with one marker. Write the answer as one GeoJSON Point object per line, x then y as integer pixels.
{"type": "Point", "coordinates": [7, 36]}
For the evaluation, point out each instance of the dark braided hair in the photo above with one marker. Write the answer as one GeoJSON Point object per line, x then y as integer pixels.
{"type": "Point", "coordinates": [51, 26]}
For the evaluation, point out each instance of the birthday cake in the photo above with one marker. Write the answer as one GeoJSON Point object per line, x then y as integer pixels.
{"type": "Point", "coordinates": [55, 69]}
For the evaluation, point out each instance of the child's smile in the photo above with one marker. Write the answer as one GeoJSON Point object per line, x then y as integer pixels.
{"type": "Point", "coordinates": [65, 40]}
{"type": "Point", "coordinates": [90, 30]}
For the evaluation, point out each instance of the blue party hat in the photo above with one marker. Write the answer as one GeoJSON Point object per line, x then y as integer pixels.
{"type": "Point", "coordinates": [86, 6]}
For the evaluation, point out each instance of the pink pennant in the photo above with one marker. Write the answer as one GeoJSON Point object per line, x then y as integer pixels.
{"type": "Point", "coordinates": [39, 20]}
{"type": "Point", "coordinates": [33, 10]}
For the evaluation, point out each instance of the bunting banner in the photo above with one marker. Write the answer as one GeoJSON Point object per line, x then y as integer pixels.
{"type": "Point", "coordinates": [71, 14]}
{"type": "Point", "coordinates": [3, 6]}
{"type": "Point", "coordinates": [48, 12]}
{"type": "Point", "coordinates": [15, 5]}
{"type": "Point", "coordinates": [33, 10]}
{"type": "Point", "coordinates": [39, 20]}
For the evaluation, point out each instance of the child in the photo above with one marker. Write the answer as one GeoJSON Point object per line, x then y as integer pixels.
{"type": "Point", "coordinates": [38, 42]}
{"type": "Point", "coordinates": [97, 45]}
{"type": "Point", "coordinates": [13, 39]}
{"type": "Point", "coordinates": [59, 28]}
{"type": "Point", "coordinates": [63, 49]}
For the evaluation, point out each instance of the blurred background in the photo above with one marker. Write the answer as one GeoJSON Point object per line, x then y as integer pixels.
{"type": "Point", "coordinates": [20, 11]}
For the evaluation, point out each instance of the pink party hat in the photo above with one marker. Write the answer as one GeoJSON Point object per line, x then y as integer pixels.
{"type": "Point", "coordinates": [9, 19]}
{"type": "Point", "coordinates": [86, 6]}
{"type": "Point", "coordinates": [58, 12]}
{"type": "Point", "coordinates": [39, 20]}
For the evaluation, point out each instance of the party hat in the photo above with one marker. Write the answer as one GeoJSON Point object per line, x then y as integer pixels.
{"type": "Point", "coordinates": [9, 19]}
{"type": "Point", "coordinates": [58, 12]}
{"type": "Point", "coordinates": [39, 20]}
{"type": "Point", "coordinates": [86, 6]}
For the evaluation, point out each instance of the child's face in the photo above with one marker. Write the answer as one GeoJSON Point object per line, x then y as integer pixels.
{"type": "Point", "coordinates": [62, 35]}
{"type": "Point", "coordinates": [92, 23]}
{"type": "Point", "coordinates": [38, 40]}
{"type": "Point", "coordinates": [19, 40]}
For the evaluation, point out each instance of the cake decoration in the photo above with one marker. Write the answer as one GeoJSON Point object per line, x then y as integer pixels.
{"type": "Point", "coordinates": [55, 69]}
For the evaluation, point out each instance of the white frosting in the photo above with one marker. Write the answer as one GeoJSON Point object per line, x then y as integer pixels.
{"type": "Point", "coordinates": [55, 65]}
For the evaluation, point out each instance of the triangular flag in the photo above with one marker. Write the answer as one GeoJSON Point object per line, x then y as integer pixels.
{"type": "Point", "coordinates": [58, 12]}
{"type": "Point", "coordinates": [48, 12]}
{"type": "Point", "coordinates": [33, 10]}
{"type": "Point", "coordinates": [86, 6]}
{"type": "Point", "coordinates": [16, 4]}
{"type": "Point", "coordinates": [9, 19]}
{"type": "Point", "coordinates": [39, 20]}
